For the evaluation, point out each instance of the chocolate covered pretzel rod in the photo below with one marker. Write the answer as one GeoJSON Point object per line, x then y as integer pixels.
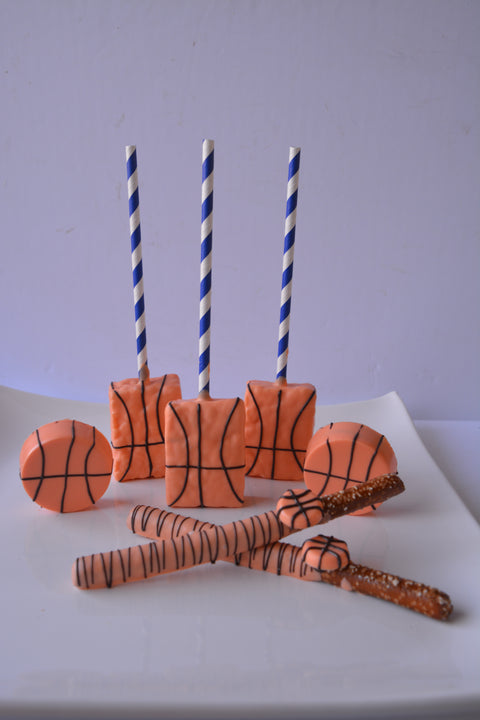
{"type": "Point", "coordinates": [282, 558]}
{"type": "Point", "coordinates": [140, 562]}
{"type": "Point", "coordinates": [325, 553]}
{"type": "Point", "coordinates": [300, 509]}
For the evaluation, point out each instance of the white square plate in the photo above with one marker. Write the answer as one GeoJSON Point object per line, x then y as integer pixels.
{"type": "Point", "coordinates": [223, 641]}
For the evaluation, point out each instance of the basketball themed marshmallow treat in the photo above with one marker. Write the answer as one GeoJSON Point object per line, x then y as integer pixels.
{"type": "Point", "coordinates": [346, 454]}
{"type": "Point", "coordinates": [66, 465]}
{"type": "Point", "coordinates": [279, 416]}
{"type": "Point", "coordinates": [137, 405]}
{"type": "Point", "coordinates": [204, 438]}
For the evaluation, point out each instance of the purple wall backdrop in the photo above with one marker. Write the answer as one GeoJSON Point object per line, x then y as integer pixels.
{"type": "Point", "coordinates": [382, 97]}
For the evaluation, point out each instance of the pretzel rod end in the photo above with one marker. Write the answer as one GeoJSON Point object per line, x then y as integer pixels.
{"type": "Point", "coordinates": [386, 586]}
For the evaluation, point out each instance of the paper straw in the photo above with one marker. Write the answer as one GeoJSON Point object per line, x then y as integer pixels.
{"type": "Point", "coordinates": [137, 267]}
{"type": "Point", "coordinates": [206, 267]}
{"type": "Point", "coordinates": [285, 299]}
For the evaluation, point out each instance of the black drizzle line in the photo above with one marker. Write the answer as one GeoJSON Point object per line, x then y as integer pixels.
{"type": "Point", "coordinates": [294, 451]}
{"type": "Point", "coordinates": [259, 446]}
{"type": "Point", "coordinates": [244, 528]}
{"type": "Point", "coordinates": [281, 553]}
{"type": "Point", "coordinates": [293, 559]}
{"type": "Point", "coordinates": [352, 452]}
{"type": "Point", "coordinates": [92, 569]}
{"type": "Point", "coordinates": [377, 449]}
{"type": "Point", "coordinates": [224, 467]}
{"type": "Point", "coordinates": [42, 475]}
{"type": "Point", "coordinates": [162, 516]}
{"type": "Point", "coordinates": [140, 550]}
{"type": "Point", "coordinates": [67, 462]}
{"type": "Point", "coordinates": [176, 531]}
{"type": "Point", "coordinates": [214, 557]}
{"type": "Point", "coordinates": [153, 554]}
{"type": "Point", "coordinates": [36, 478]}
{"type": "Point", "coordinates": [87, 481]}
{"type": "Point", "coordinates": [182, 557]}
{"type": "Point", "coordinates": [130, 423]}
{"type": "Point", "coordinates": [262, 529]}
{"type": "Point", "coordinates": [107, 572]}
{"type": "Point", "coordinates": [266, 555]}
{"type": "Point", "coordinates": [189, 538]}
{"type": "Point", "coordinates": [177, 561]}
{"type": "Point", "coordinates": [331, 475]}
{"type": "Point", "coordinates": [78, 573]}
{"type": "Point", "coordinates": [220, 527]}
{"type": "Point", "coordinates": [199, 429]}
{"type": "Point", "coordinates": [277, 420]}
{"type": "Point", "coordinates": [157, 410]}
{"type": "Point", "coordinates": [187, 452]}
{"type": "Point", "coordinates": [145, 420]}
{"type": "Point", "coordinates": [235, 536]}
{"type": "Point", "coordinates": [278, 449]}
{"type": "Point", "coordinates": [328, 474]}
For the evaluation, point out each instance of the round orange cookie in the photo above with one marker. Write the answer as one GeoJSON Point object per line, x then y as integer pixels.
{"type": "Point", "coordinates": [66, 465]}
{"type": "Point", "coordinates": [343, 454]}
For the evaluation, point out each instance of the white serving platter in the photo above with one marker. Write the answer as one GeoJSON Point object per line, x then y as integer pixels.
{"type": "Point", "coordinates": [222, 641]}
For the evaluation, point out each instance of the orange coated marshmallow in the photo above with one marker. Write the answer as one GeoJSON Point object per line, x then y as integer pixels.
{"type": "Point", "coordinates": [344, 454]}
{"type": "Point", "coordinates": [66, 465]}
{"type": "Point", "coordinates": [279, 419]}
{"type": "Point", "coordinates": [137, 421]}
{"type": "Point", "coordinates": [205, 453]}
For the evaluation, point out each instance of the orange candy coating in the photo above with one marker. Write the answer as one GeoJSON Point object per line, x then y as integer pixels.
{"type": "Point", "coordinates": [344, 454]}
{"type": "Point", "coordinates": [205, 452]}
{"type": "Point", "coordinates": [137, 422]}
{"type": "Point", "coordinates": [325, 554]}
{"type": "Point", "coordinates": [279, 419]}
{"type": "Point", "coordinates": [66, 465]}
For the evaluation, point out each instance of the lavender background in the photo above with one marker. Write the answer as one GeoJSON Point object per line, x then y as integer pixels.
{"type": "Point", "coordinates": [384, 100]}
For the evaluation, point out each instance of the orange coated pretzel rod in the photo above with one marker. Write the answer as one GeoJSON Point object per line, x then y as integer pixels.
{"type": "Point", "coordinates": [140, 562]}
{"type": "Point", "coordinates": [300, 509]}
{"type": "Point", "coordinates": [282, 558]}
{"type": "Point", "coordinates": [328, 553]}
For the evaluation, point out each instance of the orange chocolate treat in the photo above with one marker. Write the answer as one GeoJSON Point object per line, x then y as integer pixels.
{"type": "Point", "coordinates": [300, 509]}
{"type": "Point", "coordinates": [137, 420]}
{"type": "Point", "coordinates": [139, 562]}
{"type": "Point", "coordinates": [325, 553]}
{"type": "Point", "coordinates": [205, 452]}
{"type": "Point", "coordinates": [66, 465]}
{"type": "Point", "coordinates": [279, 418]}
{"type": "Point", "coordinates": [343, 454]}
{"type": "Point", "coordinates": [330, 559]}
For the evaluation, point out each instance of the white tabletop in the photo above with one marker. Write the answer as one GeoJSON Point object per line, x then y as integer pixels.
{"type": "Point", "coordinates": [221, 641]}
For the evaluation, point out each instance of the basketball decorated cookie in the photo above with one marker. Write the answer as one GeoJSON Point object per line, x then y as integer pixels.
{"type": "Point", "coordinates": [343, 454]}
{"type": "Point", "coordinates": [65, 466]}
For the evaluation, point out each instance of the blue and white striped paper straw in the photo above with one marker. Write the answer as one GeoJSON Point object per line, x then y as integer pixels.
{"type": "Point", "coordinates": [286, 295]}
{"type": "Point", "coordinates": [205, 267]}
{"type": "Point", "coordinates": [137, 267]}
